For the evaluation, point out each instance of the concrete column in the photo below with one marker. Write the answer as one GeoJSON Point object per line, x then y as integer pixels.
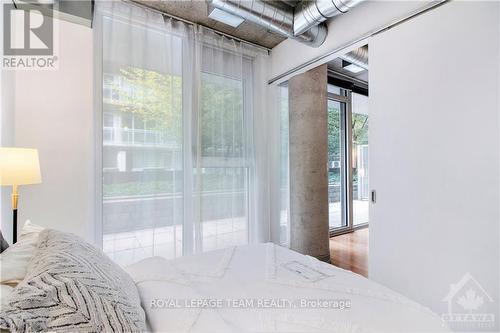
{"type": "Point", "coordinates": [308, 163]}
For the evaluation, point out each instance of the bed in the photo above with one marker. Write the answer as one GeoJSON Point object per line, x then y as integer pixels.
{"type": "Point", "coordinates": [61, 283]}
{"type": "Point", "coordinates": [268, 288]}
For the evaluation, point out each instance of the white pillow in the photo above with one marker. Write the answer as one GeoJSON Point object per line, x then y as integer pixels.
{"type": "Point", "coordinates": [29, 228]}
{"type": "Point", "coordinates": [14, 260]}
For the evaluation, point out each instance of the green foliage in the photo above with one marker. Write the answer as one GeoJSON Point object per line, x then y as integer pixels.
{"type": "Point", "coordinates": [222, 123]}
{"type": "Point", "coordinates": [157, 99]}
{"type": "Point", "coordinates": [137, 188]}
{"type": "Point", "coordinates": [359, 131]}
{"type": "Point", "coordinates": [334, 176]}
{"type": "Point", "coordinates": [333, 118]}
{"type": "Point", "coordinates": [220, 180]}
{"type": "Point", "coordinates": [154, 97]}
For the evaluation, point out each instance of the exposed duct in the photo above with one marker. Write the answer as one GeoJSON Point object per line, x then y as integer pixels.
{"type": "Point", "coordinates": [359, 57]}
{"type": "Point", "coordinates": [274, 16]}
{"type": "Point", "coordinates": [311, 13]}
{"type": "Point", "coordinates": [304, 23]}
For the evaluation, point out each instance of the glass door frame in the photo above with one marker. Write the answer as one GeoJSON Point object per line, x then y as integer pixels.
{"type": "Point", "coordinates": [345, 98]}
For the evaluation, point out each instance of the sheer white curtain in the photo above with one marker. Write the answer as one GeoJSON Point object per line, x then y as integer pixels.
{"type": "Point", "coordinates": [186, 163]}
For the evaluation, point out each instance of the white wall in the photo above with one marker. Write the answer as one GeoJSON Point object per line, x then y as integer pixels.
{"type": "Point", "coordinates": [54, 113]}
{"type": "Point", "coordinates": [7, 96]}
{"type": "Point", "coordinates": [434, 159]}
{"type": "Point", "coordinates": [342, 29]}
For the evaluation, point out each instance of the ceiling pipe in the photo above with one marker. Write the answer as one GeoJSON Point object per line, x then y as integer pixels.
{"type": "Point", "coordinates": [359, 57]}
{"type": "Point", "coordinates": [274, 16]}
{"type": "Point", "coordinates": [311, 13]}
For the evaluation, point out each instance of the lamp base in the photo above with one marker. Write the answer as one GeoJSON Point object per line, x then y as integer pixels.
{"type": "Point", "coordinates": [15, 200]}
{"type": "Point", "coordinates": [14, 231]}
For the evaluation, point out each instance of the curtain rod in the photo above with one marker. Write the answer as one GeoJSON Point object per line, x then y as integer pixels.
{"type": "Point", "coordinates": [434, 4]}
{"type": "Point", "coordinates": [147, 7]}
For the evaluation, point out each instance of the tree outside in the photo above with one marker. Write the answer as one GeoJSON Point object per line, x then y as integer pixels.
{"type": "Point", "coordinates": [156, 100]}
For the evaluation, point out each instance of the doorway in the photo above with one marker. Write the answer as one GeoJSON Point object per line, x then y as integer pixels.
{"type": "Point", "coordinates": [348, 149]}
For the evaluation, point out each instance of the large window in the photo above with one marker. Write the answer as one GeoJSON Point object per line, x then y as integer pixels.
{"type": "Point", "coordinates": [143, 174]}
{"type": "Point", "coordinates": [284, 175]}
{"type": "Point", "coordinates": [142, 138]}
{"type": "Point", "coordinates": [223, 177]}
{"type": "Point", "coordinates": [178, 152]}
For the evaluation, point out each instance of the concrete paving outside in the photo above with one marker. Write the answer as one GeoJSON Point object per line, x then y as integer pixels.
{"type": "Point", "coordinates": [126, 248]}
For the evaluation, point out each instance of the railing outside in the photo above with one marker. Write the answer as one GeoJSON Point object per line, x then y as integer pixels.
{"type": "Point", "coordinates": [125, 136]}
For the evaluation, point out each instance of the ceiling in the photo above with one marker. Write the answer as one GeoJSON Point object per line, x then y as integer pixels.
{"type": "Point", "coordinates": [196, 11]}
{"type": "Point", "coordinates": [336, 65]}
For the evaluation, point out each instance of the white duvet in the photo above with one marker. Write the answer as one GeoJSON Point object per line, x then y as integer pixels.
{"type": "Point", "coordinates": [268, 288]}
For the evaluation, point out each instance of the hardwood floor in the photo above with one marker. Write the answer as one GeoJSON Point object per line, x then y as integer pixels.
{"type": "Point", "coordinates": [350, 251]}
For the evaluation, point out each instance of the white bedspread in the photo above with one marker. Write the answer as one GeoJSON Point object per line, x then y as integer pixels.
{"type": "Point", "coordinates": [267, 288]}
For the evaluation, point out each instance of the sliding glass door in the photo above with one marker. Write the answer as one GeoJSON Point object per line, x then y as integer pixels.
{"type": "Point", "coordinates": [336, 163]}
{"type": "Point", "coordinates": [348, 189]}
{"type": "Point", "coordinates": [360, 149]}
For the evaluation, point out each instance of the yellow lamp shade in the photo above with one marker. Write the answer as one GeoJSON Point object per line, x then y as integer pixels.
{"type": "Point", "coordinates": [19, 166]}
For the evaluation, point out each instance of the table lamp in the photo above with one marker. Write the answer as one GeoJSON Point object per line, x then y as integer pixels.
{"type": "Point", "coordinates": [18, 166]}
